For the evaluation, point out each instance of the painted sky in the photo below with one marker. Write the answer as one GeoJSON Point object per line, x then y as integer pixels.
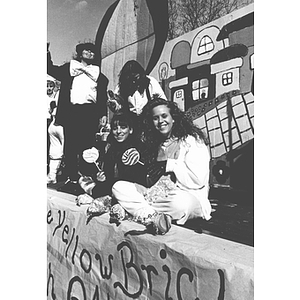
{"type": "Point", "coordinates": [70, 22]}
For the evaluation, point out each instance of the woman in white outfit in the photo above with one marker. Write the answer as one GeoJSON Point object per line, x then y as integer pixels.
{"type": "Point", "coordinates": [136, 88]}
{"type": "Point", "coordinates": [56, 138]}
{"type": "Point", "coordinates": [56, 135]}
{"type": "Point", "coordinates": [180, 149]}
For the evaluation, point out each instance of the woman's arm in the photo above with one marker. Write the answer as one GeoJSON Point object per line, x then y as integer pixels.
{"type": "Point", "coordinates": [58, 72]}
{"type": "Point", "coordinates": [155, 88]}
{"type": "Point", "coordinates": [191, 167]}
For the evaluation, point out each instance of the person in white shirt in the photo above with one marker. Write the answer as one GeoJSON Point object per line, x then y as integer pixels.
{"type": "Point", "coordinates": [81, 106]}
{"type": "Point", "coordinates": [179, 148]}
{"type": "Point", "coordinates": [136, 89]}
{"type": "Point", "coordinates": [55, 133]}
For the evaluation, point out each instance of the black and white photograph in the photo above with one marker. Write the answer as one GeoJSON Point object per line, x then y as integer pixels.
{"type": "Point", "coordinates": [150, 149]}
{"type": "Point", "coordinates": [152, 186]}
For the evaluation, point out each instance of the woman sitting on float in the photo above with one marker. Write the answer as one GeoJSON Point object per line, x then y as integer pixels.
{"type": "Point", "coordinates": [179, 149]}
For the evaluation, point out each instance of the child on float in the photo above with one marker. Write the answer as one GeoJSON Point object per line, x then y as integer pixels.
{"type": "Point", "coordinates": [179, 147]}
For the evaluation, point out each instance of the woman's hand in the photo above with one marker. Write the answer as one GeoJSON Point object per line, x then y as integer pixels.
{"type": "Point", "coordinates": [101, 176]}
{"type": "Point", "coordinates": [102, 121]}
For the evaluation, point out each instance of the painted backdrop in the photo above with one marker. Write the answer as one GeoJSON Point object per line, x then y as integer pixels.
{"type": "Point", "coordinates": [209, 72]}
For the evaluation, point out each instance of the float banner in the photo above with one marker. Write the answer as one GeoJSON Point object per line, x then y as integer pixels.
{"type": "Point", "coordinates": [97, 260]}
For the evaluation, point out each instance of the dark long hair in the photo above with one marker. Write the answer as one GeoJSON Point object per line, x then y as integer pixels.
{"type": "Point", "coordinates": [129, 70]}
{"type": "Point", "coordinates": [116, 149]}
{"type": "Point", "coordinates": [182, 127]}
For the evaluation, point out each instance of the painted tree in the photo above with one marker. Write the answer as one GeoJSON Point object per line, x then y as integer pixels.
{"type": "Point", "coordinates": [186, 15]}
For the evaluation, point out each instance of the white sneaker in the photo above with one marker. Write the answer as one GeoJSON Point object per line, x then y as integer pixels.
{"type": "Point", "coordinates": [51, 180]}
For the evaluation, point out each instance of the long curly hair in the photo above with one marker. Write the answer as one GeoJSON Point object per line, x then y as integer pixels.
{"type": "Point", "coordinates": [130, 69]}
{"type": "Point", "coordinates": [182, 127]}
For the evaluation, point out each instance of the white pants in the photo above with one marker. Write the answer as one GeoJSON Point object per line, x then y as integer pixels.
{"type": "Point", "coordinates": [180, 205]}
{"type": "Point", "coordinates": [56, 135]}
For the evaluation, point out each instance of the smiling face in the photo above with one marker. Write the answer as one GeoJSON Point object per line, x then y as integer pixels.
{"type": "Point", "coordinates": [121, 131]}
{"type": "Point", "coordinates": [50, 87]}
{"type": "Point", "coordinates": [163, 120]}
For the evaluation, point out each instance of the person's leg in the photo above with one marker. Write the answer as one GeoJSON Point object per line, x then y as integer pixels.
{"type": "Point", "coordinates": [55, 151]}
{"type": "Point", "coordinates": [48, 144]}
{"type": "Point", "coordinates": [86, 135]}
{"type": "Point", "coordinates": [131, 197]}
{"type": "Point", "coordinates": [78, 137]}
{"type": "Point", "coordinates": [180, 205]}
{"type": "Point", "coordinates": [56, 141]}
{"type": "Point", "coordinates": [70, 152]}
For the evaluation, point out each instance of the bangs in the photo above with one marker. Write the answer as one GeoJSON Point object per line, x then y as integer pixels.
{"type": "Point", "coordinates": [121, 120]}
{"type": "Point", "coordinates": [120, 123]}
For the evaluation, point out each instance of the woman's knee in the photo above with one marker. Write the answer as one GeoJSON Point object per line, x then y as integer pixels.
{"type": "Point", "coordinates": [184, 203]}
{"type": "Point", "coordinates": [121, 188]}
{"type": "Point", "coordinates": [117, 186]}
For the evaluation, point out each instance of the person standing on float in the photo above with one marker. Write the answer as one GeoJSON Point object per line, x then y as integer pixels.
{"type": "Point", "coordinates": [81, 105]}
{"type": "Point", "coordinates": [136, 89]}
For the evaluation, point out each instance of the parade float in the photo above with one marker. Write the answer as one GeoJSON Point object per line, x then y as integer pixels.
{"type": "Point", "coordinates": [209, 72]}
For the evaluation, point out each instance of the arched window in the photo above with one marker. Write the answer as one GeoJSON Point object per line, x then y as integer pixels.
{"type": "Point", "coordinates": [206, 45]}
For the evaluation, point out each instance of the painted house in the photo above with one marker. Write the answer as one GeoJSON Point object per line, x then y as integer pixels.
{"type": "Point", "coordinates": [209, 72]}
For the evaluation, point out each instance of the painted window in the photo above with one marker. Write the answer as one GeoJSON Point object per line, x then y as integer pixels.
{"type": "Point", "coordinates": [179, 94]}
{"type": "Point", "coordinates": [227, 78]}
{"type": "Point", "coordinates": [200, 89]}
{"type": "Point", "coordinates": [179, 98]}
{"type": "Point", "coordinates": [206, 45]}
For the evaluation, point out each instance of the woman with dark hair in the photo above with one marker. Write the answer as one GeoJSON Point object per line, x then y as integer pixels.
{"type": "Point", "coordinates": [136, 88]}
{"type": "Point", "coordinates": [121, 138]}
{"type": "Point", "coordinates": [179, 148]}
{"type": "Point", "coordinates": [182, 126]}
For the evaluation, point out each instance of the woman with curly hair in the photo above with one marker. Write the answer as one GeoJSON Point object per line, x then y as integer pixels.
{"type": "Point", "coordinates": [180, 149]}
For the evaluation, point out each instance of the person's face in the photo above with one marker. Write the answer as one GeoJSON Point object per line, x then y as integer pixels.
{"type": "Point", "coordinates": [50, 87]}
{"type": "Point", "coordinates": [162, 120]}
{"type": "Point", "coordinates": [133, 83]}
{"type": "Point", "coordinates": [121, 132]}
{"type": "Point", "coordinates": [87, 55]}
